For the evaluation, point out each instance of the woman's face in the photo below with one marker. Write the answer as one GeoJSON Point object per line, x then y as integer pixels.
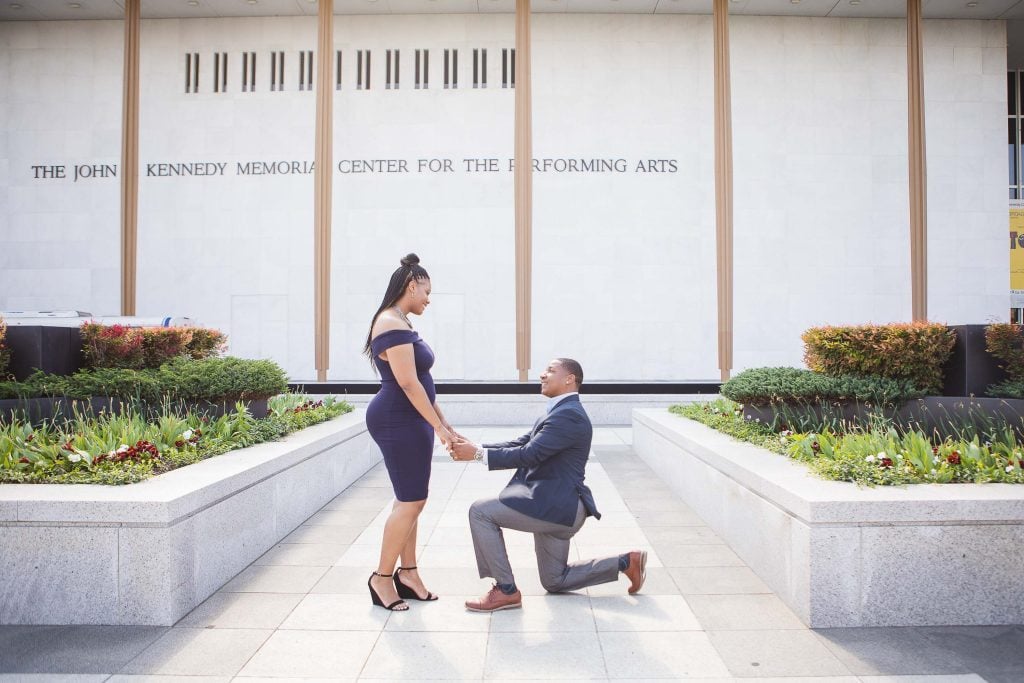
{"type": "Point", "coordinates": [418, 293]}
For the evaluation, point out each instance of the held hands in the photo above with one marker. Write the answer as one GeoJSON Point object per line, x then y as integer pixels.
{"type": "Point", "coordinates": [463, 450]}
{"type": "Point", "coordinates": [446, 435]}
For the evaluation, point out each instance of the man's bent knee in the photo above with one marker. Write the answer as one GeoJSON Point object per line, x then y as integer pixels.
{"type": "Point", "coordinates": [478, 509]}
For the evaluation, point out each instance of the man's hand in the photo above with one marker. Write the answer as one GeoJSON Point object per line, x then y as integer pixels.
{"type": "Point", "coordinates": [463, 450]}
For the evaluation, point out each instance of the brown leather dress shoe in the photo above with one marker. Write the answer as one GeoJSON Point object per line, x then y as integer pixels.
{"type": "Point", "coordinates": [636, 572]}
{"type": "Point", "coordinates": [495, 600]}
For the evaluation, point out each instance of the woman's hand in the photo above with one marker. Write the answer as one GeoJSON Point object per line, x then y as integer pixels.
{"type": "Point", "coordinates": [445, 435]}
{"type": "Point", "coordinates": [458, 437]}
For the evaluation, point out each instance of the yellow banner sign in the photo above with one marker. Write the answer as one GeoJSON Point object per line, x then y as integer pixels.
{"type": "Point", "coordinates": [1017, 249]}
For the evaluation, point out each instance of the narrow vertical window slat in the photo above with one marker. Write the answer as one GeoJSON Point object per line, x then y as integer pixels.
{"type": "Point", "coordinates": [426, 69]}
{"type": "Point", "coordinates": [455, 68]}
{"type": "Point", "coordinates": [337, 71]}
{"type": "Point", "coordinates": [188, 72]}
{"type": "Point", "coordinates": [513, 67]}
{"type": "Point", "coordinates": [483, 68]}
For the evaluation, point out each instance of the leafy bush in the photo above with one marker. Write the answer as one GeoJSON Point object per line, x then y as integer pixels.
{"type": "Point", "coordinates": [211, 379]}
{"type": "Point", "coordinates": [909, 351]}
{"type": "Point", "coordinates": [1005, 341]}
{"type": "Point", "coordinates": [206, 342]}
{"type": "Point", "coordinates": [118, 346]}
{"type": "Point", "coordinates": [112, 346]}
{"type": "Point", "coordinates": [5, 353]}
{"type": "Point", "coordinates": [763, 386]}
{"type": "Point", "coordinates": [1007, 389]}
{"type": "Point", "coordinates": [221, 379]}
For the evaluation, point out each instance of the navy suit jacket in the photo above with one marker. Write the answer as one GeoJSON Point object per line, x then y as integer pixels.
{"type": "Point", "coordinates": [549, 463]}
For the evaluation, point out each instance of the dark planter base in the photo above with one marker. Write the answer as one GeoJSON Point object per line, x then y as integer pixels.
{"type": "Point", "coordinates": [945, 415]}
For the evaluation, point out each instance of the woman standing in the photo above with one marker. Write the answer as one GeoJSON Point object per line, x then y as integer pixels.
{"type": "Point", "coordinates": [403, 419]}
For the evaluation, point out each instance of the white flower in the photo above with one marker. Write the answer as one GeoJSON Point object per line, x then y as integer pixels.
{"type": "Point", "coordinates": [74, 457]}
{"type": "Point", "coordinates": [934, 472]}
{"type": "Point", "coordinates": [899, 456]}
{"type": "Point", "coordinates": [870, 458]}
{"type": "Point", "coordinates": [1009, 468]}
{"type": "Point", "coordinates": [122, 448]}
{"type": "Point", "coordinates": [187, 435]}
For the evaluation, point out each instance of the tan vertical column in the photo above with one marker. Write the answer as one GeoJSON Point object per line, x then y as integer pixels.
{"type": "Point", "coordinates": [723, 185]}
{"type": "Point", "coordinates": [130, 157]}
{"type": "Point", "coordinates": [322, 175]}
{"type": "Point", "coordinates": [916, 157]}
{"type": "Point", "coordinates": [523, 189]}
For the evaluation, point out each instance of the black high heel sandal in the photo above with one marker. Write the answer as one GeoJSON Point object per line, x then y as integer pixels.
{"type": "Point", "coordinates": [407, 592]}
{"type": "Point", "coordinates": [393, 607]}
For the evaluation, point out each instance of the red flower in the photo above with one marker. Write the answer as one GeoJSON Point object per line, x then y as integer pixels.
{"type": "Point", "coordinates": [935, 450]}
{"type": "Point", "coordinates": [885, 462]}
{"type": "Point", "coordinates": [24, 460]}
{"type": "Point", "coordinates": [953, 458]}
{"type": "Point", "coordinates": [815, 446]}
{"type": "Point", "coordinates": [179, 443]}
{"type": "Point", "coordinates": [29, 437]}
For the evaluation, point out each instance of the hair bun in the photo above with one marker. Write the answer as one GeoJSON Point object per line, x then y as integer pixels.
{"type": "Point", "coordinates": [410, 260]}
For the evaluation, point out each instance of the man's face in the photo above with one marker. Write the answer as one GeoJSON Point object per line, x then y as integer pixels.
{"type": "Point", "coordinates": [555, 380]}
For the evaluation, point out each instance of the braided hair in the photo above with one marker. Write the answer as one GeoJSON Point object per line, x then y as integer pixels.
{"type": "Point", "coordinates": [407, 272]}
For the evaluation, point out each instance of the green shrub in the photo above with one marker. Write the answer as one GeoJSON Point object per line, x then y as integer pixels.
{"type": "Point", "coordinates": [206, 342]}
{"type": "Point", "coordinates": [221, 379]}
{"type": "Point", "coordinates": [112, 346]}
{"type": "Point", "coordinates": [763, 386]}
{"type": "Point", "coordinates": [1007, 389]}
{"type": "Point", "coordinates": [909, 351]}
{"type": "Point", "coordinates": [1005, 341]}
{"type": "Point", "coordinates": [118, 346]}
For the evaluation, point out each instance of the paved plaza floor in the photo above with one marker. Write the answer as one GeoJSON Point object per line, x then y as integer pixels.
{"type": "Point", "coordinates": [302, 611]}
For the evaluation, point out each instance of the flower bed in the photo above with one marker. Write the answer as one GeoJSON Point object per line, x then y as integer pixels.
{"type": "Point", "coordinates": [123, 447]}
{"type": "Point", "coordinates": [878, 453]}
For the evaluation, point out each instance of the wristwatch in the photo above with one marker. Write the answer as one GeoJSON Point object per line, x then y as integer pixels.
{"type": "Point", "coordinates": [479, 455]}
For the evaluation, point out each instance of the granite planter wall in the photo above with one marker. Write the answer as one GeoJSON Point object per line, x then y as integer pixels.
{"type": "Point", "coordinates": [148, 553]}
{"type": "Point", "coordinates": [841, 555]}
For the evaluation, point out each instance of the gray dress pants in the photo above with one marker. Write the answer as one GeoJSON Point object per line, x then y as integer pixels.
{"type": "Point", "coordinates": [489, 516]}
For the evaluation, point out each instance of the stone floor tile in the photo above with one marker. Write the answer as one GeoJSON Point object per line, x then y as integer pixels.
{"type": "Point", "coordinates": [926, 678]}
{"type": "Point", "coordinates": [697, 556]}
{"type": "Point", "coordinates": [272, 579]}
{"type": "Point", "coordinates": [303, 554]}
{"type": "Point", "coordinates": [336, 613]}
{"type": "Point", "coordinates": [988, 649]}
{"type": "Point", "coordinates": [448, 581]}
{"type": "Point", "coordinates": [160, 678]}
{"type": "Point", "coordinates": [278, 679]}
{"type": "Point", "coordinates": [198, 652]}
{"type": "Point", "coordinates": [671, 655]}
{"type": "Point", "coordinates": [874, 651]}
{"type": "Point", "coordinates": [743, 613]}
{"type": "Point", "coordinates": [343, 517]}
{"type": "Point", "coordinates": [324, 533]}
{"type": "Point", "coordinates": [546, 614]}
{"type": "Point", "coordinates": [72, 649]}
{"type": "Point", "coordinates": [55, 678]}
{"type": "Point", "coordinates": [241, 610]}
{"type": "Point", "coordinates": [447, 613]}
{"type": "Point", "coordinates": [364, 556]}
{"type": "Point", "coordinates": [667, 503]}
{"type": "Point", "coordinates": [776, 653]}
{"type": "Point", "coordinates": [683, 535]}
{"type": "Point", "coordinates": [347, 580]}
{"type": "Point", "coordinates": [312, 654]}
{"type": "Point", "coordinates": [644, 613]}
{"type": "Point", "coordinates": [557, 656]}
{"type": "Point", "coordinates": [717, 580]}
{"type": "Point", "coordinates": [668, 518]}
{"type": "Point", "coordinates": [426, 656]}
{"type": "Point", "coordinates": [588, 551]}
{"type": "Point", "coordinates": [658, 582]}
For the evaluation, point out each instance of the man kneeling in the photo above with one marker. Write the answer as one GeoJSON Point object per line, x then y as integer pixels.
{"type": "Point", "coordinates": [546, 497]}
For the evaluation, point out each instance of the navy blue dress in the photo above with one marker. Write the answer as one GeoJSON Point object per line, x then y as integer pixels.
{"type": "Point", "coordinates": [404, 437]}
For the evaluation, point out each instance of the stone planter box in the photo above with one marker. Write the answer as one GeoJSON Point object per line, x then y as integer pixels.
{"type": "Point", "coordinates": [841, 555]}
{"type": "Point", "coordinates": [149, 553]}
